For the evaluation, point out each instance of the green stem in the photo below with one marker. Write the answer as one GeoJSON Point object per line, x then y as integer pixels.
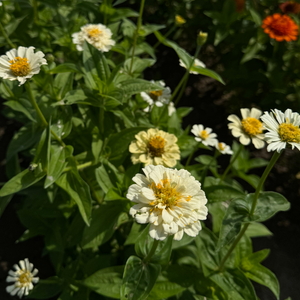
{"type": "Point", "coordinates": [137, 33]}
{"type": "Point", "coordinates": [191, 155]}
{"type": "Point", "coordinates": [35, 10]}
{"type": "Point", "coordinates": [217, 153]}
{"type": "Point", "coordinates": [152, 251]}
{"type": "Point", "coordinates": [8, 89]}
{"type": "Point", "coordinates": [262, 180]}
{"type": "Point", "coordinates": [232, 162]}
{"type": "Point", "coordinates": [179, 86]}
{"type": "Point", "coordinates": [79, 167]}
{"type": "Point", "coordinates": [9, 42]}
{"type": "Point", "coordinates": [165, 36]}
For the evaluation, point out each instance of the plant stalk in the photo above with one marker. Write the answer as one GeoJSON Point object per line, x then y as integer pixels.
{"type": "Point", "coordinates": [9, 42]}
{"type": "Point", "coordinates": [165, 36]}
{"type": "Point", "coordinates": [191, 155]}
{"type": "Point", "coordinates": [152, 251]}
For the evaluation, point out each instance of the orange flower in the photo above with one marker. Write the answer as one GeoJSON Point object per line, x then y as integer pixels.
{"type": "Point", "coordinates": [240, 5]}
{"type": "Point", "coordinates": [280, 28]}
{"type": "Point", "coordinates": [290, 7]}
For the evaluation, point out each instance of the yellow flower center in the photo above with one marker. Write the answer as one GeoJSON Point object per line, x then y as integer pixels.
{"type": "Point", "coordinates": [25, 278]}
{"type": "Point", "coordinates": [289, 133]}
{"type": "Point", "coordinates": [156, 146]}
{"type": "Point", "coordinates": [19, 66]}
{"type": "Point", "coordinates": [94, 32]}
{"type": "Point", "coordinates": [203, 134]}
{"type": "Point", "coordinates": [155, 94]}
{"type": "Point", "coordinates": [221, 147]}
{"type": "Point", "coordinates": [252, 126]}
{"type": "Point", "coordinates": [166, 194]}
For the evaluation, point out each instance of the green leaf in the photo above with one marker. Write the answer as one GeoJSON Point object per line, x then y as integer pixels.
{"type": "Point", "coordinates": [46, 289]}
{"type": "Point", "coordinates": [21, 106]}
{"type": "Point", "coordinates": [78, 190]}
{"type": "Point", "coordinates": [136, 230]}
{"type": "Point", "coordinates": [255, 16]}
{"type": "Point", "coordinates": [186, 240]}
{"type": "Point", "coordinates": [222, 193]}
{"type": "Point", "coordinates": [257, 230]}
{"type": "Point", "coordinates": [257, 257]}
{"type": "Point", "coordinates": [138, 279]}
{"type": "Point", "coordinates": [106, 282]}
{"type": "Point", "coordinates": [4, 202]}
{"type": "Point", "coordinates": [164, 289]}
{"type": "Point", "coordinates": [64, 68]}
{"type": "Point", "coordinates": [62, 121]}
{"type": "Point", "coordinates": [138, 65]}
{"type": "Point", "coordinates": [62, 84]}
{"type": "Point", "coordinates": [207, 160]}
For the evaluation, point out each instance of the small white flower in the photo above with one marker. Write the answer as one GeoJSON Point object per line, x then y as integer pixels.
{"type": "Point", "coordinates": [204, 135]}
{"type": "Point", "coordinates": [223, 148]}
{"type": "Point", "coordinates": [155, 147]}
{"type": "Point", "coordinates": [21, 64]}
{"type": "Point", "coordinates": [22, 278]}
{"type": "Point", "coordinates": [159, 98]}
{"type": "Point", "coordinates": [171, 200]}
{"type": "Point", "coordinates": [250, 128]}
{"type": "Point", "coordinates": [97, 35]}
{"type": "Point", "coordinates": [197, 63]}
{"type": "Point", "coordinates": [283, 129]}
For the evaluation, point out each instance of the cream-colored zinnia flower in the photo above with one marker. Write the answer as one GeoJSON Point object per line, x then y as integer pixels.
{"type": "Point", "coordinates": [171, 200]}
{"type": "Point", "coordinates": [197, 63]}
{"type": "Point", "coordinates": [249, 128]}
{"type": "Point", "coordinates": [155, 147]}
{"type": "Point", "coordinates": [283, 129]}
{"type": "Point", "coordinates": [159, 98]}
{"type": "Point", "coordinates": [97, 35]}
{"type": "Point", "coordinates": [223, 148]}
{"type": "Point", "coordinates": [22, 278]}
{"type": "Point", "coordinates": [204, 135]}
{"type": "Point", "coordinates": [21, 64]}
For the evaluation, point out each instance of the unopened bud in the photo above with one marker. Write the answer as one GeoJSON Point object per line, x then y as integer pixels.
{"type": "Point", "coordinates": [179, 20]}
{"type": "Point", "coordinates": [201, 38]}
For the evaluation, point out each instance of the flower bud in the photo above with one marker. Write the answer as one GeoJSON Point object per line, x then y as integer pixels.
{"type": "Point", "coordinates": [179, 20]}
{"type": "Point", "coordinates": [201, 38]}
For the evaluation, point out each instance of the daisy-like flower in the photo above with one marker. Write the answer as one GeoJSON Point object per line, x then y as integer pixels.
{"type": "Point", "coordinates": [155, 147]}
{"type": "Point", "coordinates": [21, 64]}
{"type": "Point", "coordinates": [171, 200]}
{"type": "Point", "coordinates": [204, 135]}
{"type": "Point", "coordinates": [22, 278]}
{"type": "Point", "coordinates": [197, 63]}
{"type": "Point", "coordinates": [97, 35]}
{"type": "Point", "coordinates": [249, 128]}
{"type": "Point", "coordinates": [280, 28]}
{"type": "Point", "coordinates": [283, 129]}
{"type": "Point", "coordinates": [159, 98]}
{"type": "Point", "coordinates": [290, 7]}
{"type": "Point", "coordinates": [223, 148]}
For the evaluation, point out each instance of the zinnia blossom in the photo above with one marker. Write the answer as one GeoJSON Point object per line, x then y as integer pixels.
{"type": "Point", "coordinates": [155, 147]}
{"type": "Point", "coordinates": [223, 148]}
{"type": "Point", "coordinates": [280, 28]}
{"type": "Point", "coordinates": [283, 129]}
{"type": "Point", "coordinates": [290, 7]}
{"type": "Point", "coordinates": [249, 128]}
{"type": "Point", "coordinates": [22, 278]}
{"type": "Point", "coordinates": [97, 35]}
{"type": "Point", "coordinates": [21, 64]}
{"type": "Point", "coordinates": [204, 135]}
{"type": "Point", "coordinates": [170, 200]}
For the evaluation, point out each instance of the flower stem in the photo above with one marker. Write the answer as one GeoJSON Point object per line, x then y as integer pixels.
{"type": "Point", "coordinates": [8, 89]}
{"type": "Point", "coordinates": [191, 155]}
{"type": "Point", "coordinates": [137, 32]}
{"type": "Point", "coordinates": [165, 36]}
{"type": "Point", "coordinates": [262, 180]}
{"type": "Point", "coordinates": [9, 42]}
{"type": "Point", "coordinates": [152, 251]}
{"type": "Point", "coordinates": [79, 167]}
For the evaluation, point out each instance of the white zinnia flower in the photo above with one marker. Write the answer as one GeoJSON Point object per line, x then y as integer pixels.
{"type": "Point", "coordinates": [22, 278]}
{"type": "Point", "coordinates": [197, 63]}
{"type": "Point", "coordinates": [97, 35]}
{"type": "Point", "coordinates": [159, 98]}
{"type": "Point", "coordinates": [283, 129]}
{"type": "Point", "coordinates": [21, 64]}
{"type": "Point", "coordinates": [171, 200]}
{"type": "Point", "coordinates": [223, 148]}
{"type": "Point", "coordinates": [204, 135]}
{"type": "Point", "coordinates": [155, 147]}
{"type": "Point", "coordinates": [250, 128]}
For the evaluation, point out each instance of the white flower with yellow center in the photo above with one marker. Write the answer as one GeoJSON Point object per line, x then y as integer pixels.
{"type": "Point", "coordinates": [283, 129]}
{"type": "Point", "coordinates": [159, 98]}
{"type": "Point", "coordinates": [223, 148]}
{"type": "Point", "coordinates": [97, 35]}
{"type": "Point", "coordinates": [204, 135]}
{"type": "Point", "coordinates": [21, 64]}
{"type": "Point", "coordinates": [22, 278]}
{"type": "Point", "coordinates": [170, 200]}
{"type": "Point", "coordinates": [155, 147]}
{"type": "Point", "coordinates": [197, 63]}
{"type": "Point", "coordinates": [249, 128]}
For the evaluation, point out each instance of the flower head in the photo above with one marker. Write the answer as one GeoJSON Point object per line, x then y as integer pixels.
{"type": "Point", "coordinates": [204, 135]}
{"type": "Point", "coordinates": [197, 63]}
{"type": "Point", "coordinates": [22, 278]}
{"type": "Point", "coordinates": [155, 147]}
{"type": "Point", "coordinates": [170, 200]}
{"type": "Point", "coordinates": [223, 148]}
{"type": "Point", "coordinates": [280, 28]}
{"type": "Point", "coordinates": [283, 129]}
{"type": "Point", "coordinates": [290, 7]}
{"type": "Point", "coordinates": [179, 20]}
{"type": "Point", "coordinates": [202, 38]}
{"type": "Point", "coordinates": [249, 128]}
{"type": "Point", "coordinates": [97, 35]}
{"type": "Point", "coordinates": [21, 64]}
